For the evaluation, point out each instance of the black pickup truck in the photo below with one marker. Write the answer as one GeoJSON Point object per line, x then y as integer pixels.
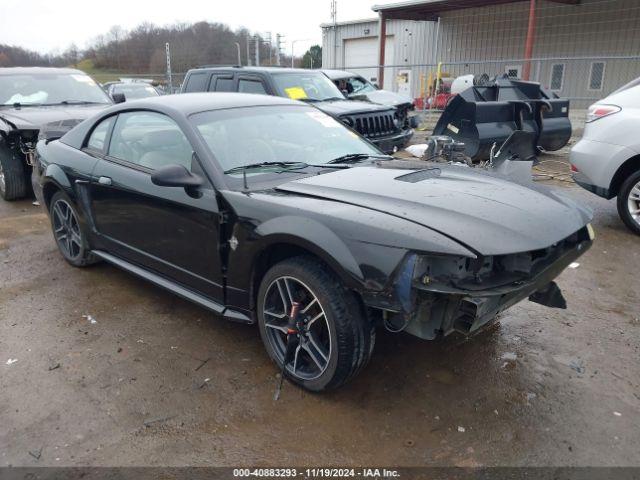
{"type": "Point", "coordinates": [379, 124]}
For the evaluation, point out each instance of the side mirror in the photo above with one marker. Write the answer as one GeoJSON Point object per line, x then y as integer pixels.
{"type": "Point", "coordinates": [118, 97]}
{"type": "Point", "coordinates": [175, 176]}
{"type": "Point", "coordinates": [375, 85]}
{"type": "Point", "coordinates": [345, 92]}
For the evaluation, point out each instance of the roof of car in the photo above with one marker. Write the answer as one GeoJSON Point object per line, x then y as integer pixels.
{"type": "Point", "coordinates": [258, 69]}
{"type": "Point", "coordinates": [132, 84]}
{"type": "Point", "coordinates": [39, 70]}
{"type": "Point", "coordinates": [188, 103]}
{"type": "Point", "coordinates": [338, 74]}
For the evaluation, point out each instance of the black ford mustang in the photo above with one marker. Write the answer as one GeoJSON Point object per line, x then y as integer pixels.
{"type": "Point", "coordinates": [264, 209]}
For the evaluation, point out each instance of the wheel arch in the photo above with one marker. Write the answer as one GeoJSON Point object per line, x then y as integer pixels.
{"type": "Point", "coordinates": [288, 237]}
{"type": "Point", "coordinates": [625, 170]}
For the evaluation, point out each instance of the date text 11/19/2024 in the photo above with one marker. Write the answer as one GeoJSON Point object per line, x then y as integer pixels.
{"type": "Point", "coordinates": [316, 472]}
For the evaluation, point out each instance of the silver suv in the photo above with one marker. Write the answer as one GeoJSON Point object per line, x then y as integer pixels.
{"type": "Point", "coordinates": [606, 161]}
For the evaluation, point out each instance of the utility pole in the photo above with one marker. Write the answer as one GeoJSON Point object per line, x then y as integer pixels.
{"type": "Point", "coordinates": [169, 82]}
{"type": "Point", "coordinates": [278, 48]}
{"type": "Point", "coordinates": [239, 56]}
{"type": "Point", "coordinates": [270, 43]}
{"type": "Point", "coordinates": [257, 40]}
{"type": "Point", "coordinates": [334, 20]}
{"type": "Point", "coordinates": [248, 51]}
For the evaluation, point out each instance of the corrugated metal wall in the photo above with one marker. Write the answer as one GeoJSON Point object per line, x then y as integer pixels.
{"type": "Point", "coordinates": [489, 39]}
{"type": "Point", "coordinates": [414, 44]}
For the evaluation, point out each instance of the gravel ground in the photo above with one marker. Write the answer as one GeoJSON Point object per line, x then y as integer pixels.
{"type": "Point", "coordinates": [113, 371]}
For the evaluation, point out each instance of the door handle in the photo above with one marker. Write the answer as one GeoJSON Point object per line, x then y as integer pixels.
{"type": "Point", "coordinates": [106, 181]}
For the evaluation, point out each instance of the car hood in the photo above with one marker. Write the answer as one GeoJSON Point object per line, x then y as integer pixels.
{"type": "Point", "coordinates": [384, 97]}
{"type": "Point", "coordinates": [32, 118]}
{"type": "Point", "coordinates": [349, 107]}
{"type": "Point", "coordinates": [486, 213]}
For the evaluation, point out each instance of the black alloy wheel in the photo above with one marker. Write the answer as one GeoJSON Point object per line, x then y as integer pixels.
{"type": "Point", "coordinates": [334, 337]}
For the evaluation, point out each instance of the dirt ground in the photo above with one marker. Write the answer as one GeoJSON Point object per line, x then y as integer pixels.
{"type": "Point", "coordinates": [113, 371]}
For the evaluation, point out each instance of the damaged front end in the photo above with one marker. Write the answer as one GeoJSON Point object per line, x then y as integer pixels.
{"type": "Point", "coordinates": [435, 295]}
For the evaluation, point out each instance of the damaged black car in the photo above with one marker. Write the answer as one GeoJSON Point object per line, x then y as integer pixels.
{"type": "Point", "coordinates": [266, 210]}
{"type": "Point", "coordinates": [32, 98]}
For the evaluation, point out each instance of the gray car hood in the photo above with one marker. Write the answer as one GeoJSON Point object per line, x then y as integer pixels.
{"type": "Point", "coordinates": [348, 107]}
{"type": "Point", "coordinates": [484, 212]}
{"type": "Point", "coordinates": [383, 97]}
{"type": "Point", "coordinates": [32, 118]}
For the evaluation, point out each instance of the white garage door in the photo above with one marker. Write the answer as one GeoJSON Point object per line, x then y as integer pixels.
{"type": "Point", "coordinates": [359, 52]}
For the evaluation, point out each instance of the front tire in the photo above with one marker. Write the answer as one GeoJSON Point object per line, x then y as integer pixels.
{"type": "Point", "coordinates": [68, 232]}
{"type": "Point", "coordinates": [336, 339]}
{"type": "Point", "coordinates": [13, 176]}
{"type": "Point", "coordinates": [629, 202]}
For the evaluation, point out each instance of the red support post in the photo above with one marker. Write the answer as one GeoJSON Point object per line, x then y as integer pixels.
{"type": "Point", "coordinates": [531, 34]}
{"type": "Point", "coordinates": [382, 32]}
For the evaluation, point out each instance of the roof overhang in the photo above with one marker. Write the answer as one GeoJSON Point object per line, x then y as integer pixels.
{"type": "Point", "coordinates": [430, 10]}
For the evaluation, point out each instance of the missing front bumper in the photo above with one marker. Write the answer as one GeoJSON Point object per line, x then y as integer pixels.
{"type": "Point", "coordinates": [440, 311]}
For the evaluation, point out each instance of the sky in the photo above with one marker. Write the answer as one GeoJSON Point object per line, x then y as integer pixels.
{"type": "Point", "coordinates": [51, 26]}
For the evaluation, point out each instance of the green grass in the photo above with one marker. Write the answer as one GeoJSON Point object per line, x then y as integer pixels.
{"type": "Point", "coordinates": [99, 75]}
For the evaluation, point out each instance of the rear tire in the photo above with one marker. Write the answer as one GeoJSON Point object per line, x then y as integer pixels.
{"type": "Point", "coordinates": [68, 232]}
{"type": "Point", "coordinates": [13, 175]}
{"type": "Point", "coordinates": [336, 329]}
{"type": "Point", "coordinates": [629, 202]}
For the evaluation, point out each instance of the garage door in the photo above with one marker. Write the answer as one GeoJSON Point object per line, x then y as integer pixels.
{"type": "Point", "coordinates": [359, 52]}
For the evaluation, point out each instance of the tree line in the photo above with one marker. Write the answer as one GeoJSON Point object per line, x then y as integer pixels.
{"type": "Point", "coordinates": [142, 49]}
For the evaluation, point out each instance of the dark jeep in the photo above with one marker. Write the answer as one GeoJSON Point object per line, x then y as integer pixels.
{"type": "Point", "coordinates": [379, 124]}
{"type": "Point", "coordinates": [356, 87]}
{"type": "Point", "coordinates": [30, 99]}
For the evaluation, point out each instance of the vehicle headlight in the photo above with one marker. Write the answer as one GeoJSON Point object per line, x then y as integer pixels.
{"type": "Point", "coordinates": [348, 121]}
{"type": "Point", "coordinates": [446, 268]}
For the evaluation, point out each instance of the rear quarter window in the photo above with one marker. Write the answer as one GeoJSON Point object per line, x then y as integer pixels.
{"type": "Point", "coordinates": [97, 140]}
{"type": "Point", "coordinates": [196, 82]}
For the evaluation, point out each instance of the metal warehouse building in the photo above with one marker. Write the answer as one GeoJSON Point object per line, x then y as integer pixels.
{"type": "Point", "coordinates": [581, 49]}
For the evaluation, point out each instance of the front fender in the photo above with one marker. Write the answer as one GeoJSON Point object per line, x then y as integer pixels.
{"type": "Point", "coordinates": [316, 237]}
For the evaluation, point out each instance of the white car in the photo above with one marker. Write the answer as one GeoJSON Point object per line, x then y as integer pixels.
{"type": "Point", "coordinates": [606, 161]}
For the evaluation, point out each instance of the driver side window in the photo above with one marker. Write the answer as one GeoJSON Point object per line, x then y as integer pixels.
{"type": "Point", "coordinates": [151, 140]}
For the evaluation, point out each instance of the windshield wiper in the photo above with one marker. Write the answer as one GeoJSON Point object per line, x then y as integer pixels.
{"type": "Point", "coordinates": [314, 100]}
{"type": "Point", "coordinates": [252, 166]}
{"type": "Point", "coordinates": [75, 102]}
{"type": "Point", "coordinates": [20, 105]}
{"type": "Point", "coordinates": [356, 157]}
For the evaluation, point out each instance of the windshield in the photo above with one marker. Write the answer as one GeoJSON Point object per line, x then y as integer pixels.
{"type": "Point", "coordinates": [135, 91]}
{"type": "Point", "coordinates": [355, 85]}
{"type": "Point", "coordinates": [306, 86]}
{"type": "Point", "coordinates": [244, 136]}
{"type": "Point", "coordinates": [50, 88]}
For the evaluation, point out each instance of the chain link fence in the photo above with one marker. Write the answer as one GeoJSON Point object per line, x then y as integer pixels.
{"type": "Point", "coordinates": [581, 51]}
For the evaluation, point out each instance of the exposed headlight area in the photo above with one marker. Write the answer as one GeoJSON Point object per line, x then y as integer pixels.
{"type": "Point", "coordinates": [450, 274]}
{"type": "Point", "coordinates": [438, 294]}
